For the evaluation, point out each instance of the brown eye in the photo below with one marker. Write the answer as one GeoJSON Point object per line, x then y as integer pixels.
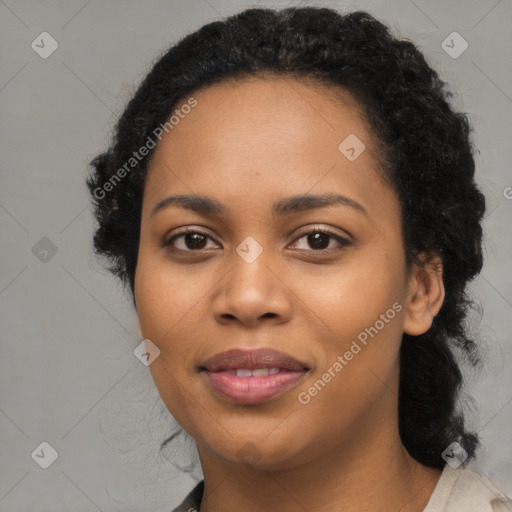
{"type": "Point", "coordinates": [189, 241]}
{"type": "Point", "coordinates": [320, 239]}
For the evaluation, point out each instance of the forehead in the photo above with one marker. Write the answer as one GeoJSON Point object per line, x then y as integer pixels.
{"type": "Point", "coordinates": [259, 137]}
{"type": "Point", "coordinates": [277, 110]}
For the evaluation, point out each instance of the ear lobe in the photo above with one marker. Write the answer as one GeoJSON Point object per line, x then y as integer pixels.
{"type": "Point", "coordinates": [425, 297]}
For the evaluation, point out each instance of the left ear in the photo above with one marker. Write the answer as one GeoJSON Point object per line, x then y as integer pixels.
{"type": "Point", "coordinates": [425, 295]}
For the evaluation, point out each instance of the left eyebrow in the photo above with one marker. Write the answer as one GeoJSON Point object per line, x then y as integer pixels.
{"type": "Point", "coordinates": [283, 207]}
{"type": "Point", "coordinates": [303, 202]}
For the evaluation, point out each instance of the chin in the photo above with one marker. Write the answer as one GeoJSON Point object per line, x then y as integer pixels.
{"type": "Point", "coordinates": [279, 453]}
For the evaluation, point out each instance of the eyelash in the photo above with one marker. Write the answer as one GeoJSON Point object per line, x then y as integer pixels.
{"type": "Point", "coordinates": [341, 240]}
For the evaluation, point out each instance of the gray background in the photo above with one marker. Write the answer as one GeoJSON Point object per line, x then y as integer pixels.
{"type": "Point", "coordinates": [68, 375]}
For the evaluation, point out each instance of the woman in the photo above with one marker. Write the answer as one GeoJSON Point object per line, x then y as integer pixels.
{"type": "Point", "coordinates": [291, 200]}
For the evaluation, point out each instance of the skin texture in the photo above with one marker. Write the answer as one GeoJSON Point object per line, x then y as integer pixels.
{"type": "Point", "coordinates": [247, 144]}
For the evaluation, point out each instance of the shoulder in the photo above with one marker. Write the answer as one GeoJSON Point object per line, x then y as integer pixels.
{"type": "Point", "coordinates": [458, 490]}
{"type": "Point", "coordinates": [462, 490]}
{"type": "Point", "coordinates": [192, 501]}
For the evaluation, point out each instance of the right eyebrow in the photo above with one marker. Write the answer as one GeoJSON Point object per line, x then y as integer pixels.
{"type": "Point", "coordinates": [197, 203]}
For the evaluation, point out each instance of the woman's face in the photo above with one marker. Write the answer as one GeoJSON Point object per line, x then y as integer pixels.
{"type": "Point", "coordinates": [259, 274]}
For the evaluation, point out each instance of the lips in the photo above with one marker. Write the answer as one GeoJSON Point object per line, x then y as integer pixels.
{"type": "Point", "coordinates": [252, 376]}
{"type": "Point", "coordinates": [252, 360]}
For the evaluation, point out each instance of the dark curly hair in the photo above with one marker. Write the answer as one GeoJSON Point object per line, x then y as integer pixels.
{"type": "Point", "coordinates": [425, 153]}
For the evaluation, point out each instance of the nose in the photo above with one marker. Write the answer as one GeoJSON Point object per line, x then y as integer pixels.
{"type": "Point", "coordinates": [252, 293]}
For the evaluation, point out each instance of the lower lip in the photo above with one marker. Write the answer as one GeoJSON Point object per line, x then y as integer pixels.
{"type": "Point", "coordinates": [252, 390]}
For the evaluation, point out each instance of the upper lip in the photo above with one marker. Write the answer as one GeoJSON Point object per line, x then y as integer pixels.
{"type": "Point", "coordinates": [252, 359]}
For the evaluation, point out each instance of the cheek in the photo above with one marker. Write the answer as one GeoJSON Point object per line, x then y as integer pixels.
{"type": "Point", "coordinates": [164, 299]}
{"type": "Point", "coordinates": [164, 316]}
{"type": "Point", "coordinates": [361, 303]}
{"type": "Point", "coordinates": [170, 307]}
{"type": "Point", "coordinates": [171, 383]}
{"type": "Point", "coordinates": [357, 377]}
{"type": "Point", "coordinates": [353, 296]}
